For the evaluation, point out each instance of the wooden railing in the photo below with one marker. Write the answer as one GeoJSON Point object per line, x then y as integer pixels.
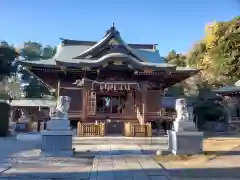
{"type": "Point", "coordinates": [137, 130]}
{"type": "Point", "coordinates": [91, 129]}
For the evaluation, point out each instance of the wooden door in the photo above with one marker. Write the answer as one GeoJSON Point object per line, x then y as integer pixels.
{"type": "Point", "coordinates": [92, 103]}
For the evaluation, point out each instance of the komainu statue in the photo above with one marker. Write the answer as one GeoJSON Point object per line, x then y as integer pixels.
{"type": "Point", "coordinates": [62, 107]}
{"type": "Point", "coordinates": [182, 113]}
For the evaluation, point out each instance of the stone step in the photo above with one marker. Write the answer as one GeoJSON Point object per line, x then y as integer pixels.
{"type": "Point", "coordinates": [121, 140]}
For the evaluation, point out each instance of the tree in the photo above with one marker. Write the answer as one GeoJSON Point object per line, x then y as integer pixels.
{"type": "Point", "coordinates": [48, 52]}
{"type": "Point", "coordinates": [35, 89]}
{"type": "Point", "coordinates": [7, 56]}
{"type": "Point", "coordinates": [218, 53]}
{"type": "Point", "coordinates": [35, 51]}
{"type": "Point", "coordinates": [175, 58]}
{"type": "Point", "coordinates": [31, 50]}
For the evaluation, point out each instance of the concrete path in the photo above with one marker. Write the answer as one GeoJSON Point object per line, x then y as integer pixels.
{"type": "Point", "coordinates": [115, 163]}
{"type": "Point", "coordinates": [21, 160]}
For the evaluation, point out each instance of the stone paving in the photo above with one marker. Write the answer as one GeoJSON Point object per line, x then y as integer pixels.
{"type": "Point", "coordinates": [21, 160]}
{"type": "Point", "coordinates": [113, 159]}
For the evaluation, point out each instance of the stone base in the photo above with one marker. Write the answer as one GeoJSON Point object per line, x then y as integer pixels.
{"type": "Point", "coordinates": [37, 137]}
{"type": "Point", "coordinates": [186, 126]}
{"type": "Point", "coordinates": [58, 124]}
{"type": "Point", "coordinates": [57, 143]}
{"type": "Point", "coordinates": [57, 153]}
{"type": "Point", "coordinates": [188, 142]}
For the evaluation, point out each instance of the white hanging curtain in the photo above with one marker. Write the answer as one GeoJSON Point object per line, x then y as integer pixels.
{"type": "Point", "coordinates": [115, 86]}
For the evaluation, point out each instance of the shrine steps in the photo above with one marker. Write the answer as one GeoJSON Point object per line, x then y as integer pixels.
{"type": "Point", "coordinates": [160, 140]}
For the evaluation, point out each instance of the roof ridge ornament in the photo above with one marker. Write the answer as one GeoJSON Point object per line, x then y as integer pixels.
{"type": "Point", "coordinates": [113, 29]}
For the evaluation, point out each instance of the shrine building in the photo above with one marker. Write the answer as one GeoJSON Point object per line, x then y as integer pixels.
{"type": "Point", "coordinates": [109, 79]}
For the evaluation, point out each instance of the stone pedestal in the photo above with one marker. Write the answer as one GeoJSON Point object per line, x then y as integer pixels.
{"type": "Point", "coordinates": [57, 139]}
{"type": "Point", "coordinates": [184, 138]}
{"type": "Point", "coordinates": [185, 142]}
{"type": "Point", "coordinates": [186, 126]}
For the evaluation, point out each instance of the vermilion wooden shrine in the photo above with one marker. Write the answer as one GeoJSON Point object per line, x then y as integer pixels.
{"type": "Point", "coordinates": [109, 79]}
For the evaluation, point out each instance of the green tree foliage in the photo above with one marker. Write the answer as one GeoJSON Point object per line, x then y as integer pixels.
{"type": "Point", "coordinates": [218, 53]}
{"type": "Point", "coordinates": [36, 89]}
{"type": "Point", "coordinates": [48, 52]}
{"type": "Point", "coordinates": [36, 51]}
{"type": "Point", "coordinates": [175, 58]}
{"type": "Point", "coordinates": [30, 51]}
{"type": "Point", "coordinates": [7, 56]}
{"type": "Point", "coordinates": [7, 68]}
{"type": "Point", "coordinates": [208, 110]}
{"type": "Point", "coordinates": [180, 60]}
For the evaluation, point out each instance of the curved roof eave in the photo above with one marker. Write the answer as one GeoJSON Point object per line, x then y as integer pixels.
{"type": "Point", "coordinates": [123, 57]}
{"type": "Point", "coordinates": [41, 64]}
{"type": "Point", "coordinates": [111, 34]}
{"type": "Point", "coordinates": [128, 47]}
{"type": "Point", "coordinates": [88, 51]}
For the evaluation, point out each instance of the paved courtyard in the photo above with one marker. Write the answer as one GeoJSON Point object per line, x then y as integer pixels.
{"type": "Point", "coordinates": [109, 158]}
{"type": "Point", "coordinates": [21, 160]}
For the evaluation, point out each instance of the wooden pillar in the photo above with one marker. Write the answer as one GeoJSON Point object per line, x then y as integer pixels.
{"type": "Point", "coordinates": [84, 103]}
{"type": "Point", "coordinates": [58, 88]}
{"type": "Point", "coordinates": [144, 105]}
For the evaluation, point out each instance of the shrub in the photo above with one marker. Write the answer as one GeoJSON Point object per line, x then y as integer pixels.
{"type": "Point", "coordinates": [4, 118]}
{"type": "Point", "coordinates": [208, 110]}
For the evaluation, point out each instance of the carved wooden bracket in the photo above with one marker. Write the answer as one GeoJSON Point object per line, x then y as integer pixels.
{"type": "Point", "coordinates": [79, 82]}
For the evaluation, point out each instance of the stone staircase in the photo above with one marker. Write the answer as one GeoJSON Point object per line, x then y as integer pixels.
{"type": "Point", "coordinates": [160, 140]}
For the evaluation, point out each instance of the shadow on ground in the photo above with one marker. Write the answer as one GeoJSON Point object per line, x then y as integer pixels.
{"type": "Point", "coordinates": [10, 146]}
{"type": "Point", "coordinates": [146, 174]}
{"type": "Point", "coordinates": [205, 173]}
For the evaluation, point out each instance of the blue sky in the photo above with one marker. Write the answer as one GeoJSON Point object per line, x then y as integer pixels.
{"type": "Point", "coordinates": [172, 24]}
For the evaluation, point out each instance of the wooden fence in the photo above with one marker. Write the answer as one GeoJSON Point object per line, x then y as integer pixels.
{"type": "Point", "coordinates": [91, 129]}
{"type": "Point", "coordinates": [137, 130]}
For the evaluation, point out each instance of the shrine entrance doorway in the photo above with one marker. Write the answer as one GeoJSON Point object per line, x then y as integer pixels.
{"type": "Point", "coordinates": [111, 103]}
